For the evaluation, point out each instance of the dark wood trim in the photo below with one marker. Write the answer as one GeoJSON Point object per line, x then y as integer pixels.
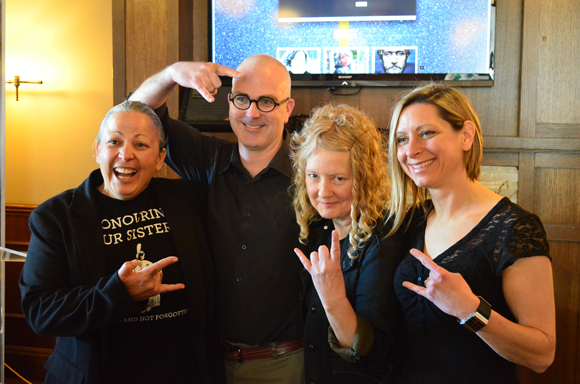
{"type": "Point", "coordinates": [529, 68]}
{"type": "Point", "coordinates": [557, 160]}
{"type": "Point", "coordinates": [15, 315]}
{"type": "Point", "coordinates": [200, 30]}
{"type": "Point", "coordinates": [119, 59]}
{"type": "Point", "coordinates": [563, 232]}
{"type": "Point", "coordinates": [28, 351]}
{"type": "Point", "coordinates": [500, 159]}
{"type": "Point", "coordinates": [559, 131]}
{"type": "Point", "coordinates": [530, 144]}
{"type": "Point", "coordinates": [19, 209]}
{"type": "Point", "coordinates": [17, 231]}
{"type": "Point", "coordinates": [185, 30]}
{"type": "Point", "coordinates": [526, 180]}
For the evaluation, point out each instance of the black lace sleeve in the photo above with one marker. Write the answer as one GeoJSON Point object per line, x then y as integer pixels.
{"type": "Point", "coordinates": [524, 237]}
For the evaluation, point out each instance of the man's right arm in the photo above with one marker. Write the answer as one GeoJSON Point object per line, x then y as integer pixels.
{"type": "Point", "coordinates": [203, 77]}
{"type": "Point", "coordinates": [188, 153]}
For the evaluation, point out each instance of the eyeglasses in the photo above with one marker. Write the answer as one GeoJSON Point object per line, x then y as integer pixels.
{"type": "Point", "coordinates": [264, 104]}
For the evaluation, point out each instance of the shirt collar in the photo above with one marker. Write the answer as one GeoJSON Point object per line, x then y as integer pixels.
{"type": "Point", "coordinates": [280, 162]}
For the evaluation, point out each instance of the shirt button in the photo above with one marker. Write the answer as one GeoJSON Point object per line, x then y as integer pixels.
{"type": "Point", "coordinates": [419, 279]}
{"type": "Point", "coordinates": [313, 309]}
{"type": "Point", "coordinates": [326, 227]}
{"type": "Point", "coordinates": [239, 279]}
{"type": "Point", "coordinates": [244, 247]}
{"type": "Point", "coordinates": [248, 214]}
{"type": "Point", "coordinates": [311, 347]}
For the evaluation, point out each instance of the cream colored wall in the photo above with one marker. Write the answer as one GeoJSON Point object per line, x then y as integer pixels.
{"type": "Point", "coordinates": [50, 130]}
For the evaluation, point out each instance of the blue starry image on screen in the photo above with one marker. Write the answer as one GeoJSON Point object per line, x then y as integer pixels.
{"type": "Point", "coordinates": [379, 43]}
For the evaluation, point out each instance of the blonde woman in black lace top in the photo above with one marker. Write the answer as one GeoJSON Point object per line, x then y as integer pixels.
{"type": "Point", "coordinates": [476, 286]}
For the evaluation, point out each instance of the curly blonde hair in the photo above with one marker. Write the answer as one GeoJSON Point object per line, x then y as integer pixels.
{"type": "Point", "coordinates": [343, 128]}
{"type": "Point", "coordinates": [452, 107]}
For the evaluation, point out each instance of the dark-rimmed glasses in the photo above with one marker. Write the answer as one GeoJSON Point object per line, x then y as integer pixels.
{"type": "Point", "coordinates": [264, 103]}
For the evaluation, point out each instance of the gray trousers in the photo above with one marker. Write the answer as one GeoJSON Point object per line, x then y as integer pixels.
{"type": "Point", "coordinates": [286, 369]}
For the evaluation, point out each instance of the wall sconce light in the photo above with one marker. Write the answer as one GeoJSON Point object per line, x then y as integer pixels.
{"type": "Point", "coordinates": [17, 83]}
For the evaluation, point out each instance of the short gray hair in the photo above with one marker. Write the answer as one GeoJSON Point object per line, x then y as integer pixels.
{"type": "Point", "coordinates": [135, 106]}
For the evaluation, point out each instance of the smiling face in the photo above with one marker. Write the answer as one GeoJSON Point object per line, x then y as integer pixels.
{"type": "Point", "coordinates": [329, 182]}
{"type": "Point", "coordinates": [128, 154]}
{"type": "Point", "coordinates": [257, 130]}
{"type": "Point", "coordinates": [429, 150]}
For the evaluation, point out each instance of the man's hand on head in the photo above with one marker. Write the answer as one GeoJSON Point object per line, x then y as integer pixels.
{"type": "Point", "coordinates": [203, 77]}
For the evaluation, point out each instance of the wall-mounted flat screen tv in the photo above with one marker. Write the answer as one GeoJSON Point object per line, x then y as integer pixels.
{"type": "Point", "coordinates": [360, 43]}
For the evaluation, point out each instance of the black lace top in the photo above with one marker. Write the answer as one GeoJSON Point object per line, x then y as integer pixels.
{"type": "Point", "coordinates": [438, 349]}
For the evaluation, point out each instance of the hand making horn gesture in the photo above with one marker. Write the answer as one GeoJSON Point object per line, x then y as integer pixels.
{"type": "Point", "coordinates": [147, 282]}
{"type": "Point", "coordinates": [447, 290]}
{"type": "Point", "coordinates": [324, 267]}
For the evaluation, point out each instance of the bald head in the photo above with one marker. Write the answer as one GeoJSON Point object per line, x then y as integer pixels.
{"type": "Point", "coordinates": [265, 66]}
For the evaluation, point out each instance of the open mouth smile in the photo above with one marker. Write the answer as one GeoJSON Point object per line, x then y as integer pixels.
{"type": "Point", "coordinates": [421, 165]}
{"type": "Point", "coordinates": [124, 173]}
{"type": "Point", "coordinates": [253, 126]}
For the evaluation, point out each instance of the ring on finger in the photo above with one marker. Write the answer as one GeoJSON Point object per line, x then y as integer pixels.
{"type": "Point", "coordinates": [426, 281]}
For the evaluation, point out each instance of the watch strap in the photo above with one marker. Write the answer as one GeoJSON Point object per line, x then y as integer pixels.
{"type": "Point", "coordinates": [478, 319]}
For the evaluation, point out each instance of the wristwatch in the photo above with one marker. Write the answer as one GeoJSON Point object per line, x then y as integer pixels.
{"type": "Point", "coordinates": [478, 319]}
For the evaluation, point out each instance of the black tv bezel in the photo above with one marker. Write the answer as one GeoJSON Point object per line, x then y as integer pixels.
{"type": "Point", "coordinates": [353, 80]}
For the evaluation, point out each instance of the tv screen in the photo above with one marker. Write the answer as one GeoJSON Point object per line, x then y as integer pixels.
{"type": "Point", "coordinates": [360, 43]}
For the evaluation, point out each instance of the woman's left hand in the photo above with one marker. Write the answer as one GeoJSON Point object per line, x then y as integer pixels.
{"type": "Point", "coordinates": [324, 267]}
{"type": "Point", "coordinates": [447, 290]}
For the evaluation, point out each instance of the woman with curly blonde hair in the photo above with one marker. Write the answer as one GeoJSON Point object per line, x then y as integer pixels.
{"type": "Point", "coordinates": [340, 196]}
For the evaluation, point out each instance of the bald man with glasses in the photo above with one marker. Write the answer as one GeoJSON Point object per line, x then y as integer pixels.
{"type": "Point", "coordinates": [251, 224]}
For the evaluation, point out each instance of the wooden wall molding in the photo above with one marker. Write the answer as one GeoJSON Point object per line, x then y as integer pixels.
{"type": "Point", "coordinates": [529, 68]}
{"type": "Point", "coordinates": [531, 144]}
{"type": "Point", "coordinates": [17, 231]}
{"type": "Point", "coordinates": [119, 52]}
{"type": "Point", "coordinates": [500, 159]}
{"type": "Point", "coordinates": [560, 131]}
{"type": "Point", "coordinates": [558, 160]}
{"type": "Point", "coordinates": [569, 233]}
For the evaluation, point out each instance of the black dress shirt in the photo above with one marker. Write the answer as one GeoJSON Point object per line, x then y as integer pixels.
{"type": "Point", "coordinates": [252, 233]}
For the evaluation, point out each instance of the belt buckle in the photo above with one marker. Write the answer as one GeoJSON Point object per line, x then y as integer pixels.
{"type": "Point", "coordinates": [240, 355]}
{"type": "Point", "coordinates": [274, 351]}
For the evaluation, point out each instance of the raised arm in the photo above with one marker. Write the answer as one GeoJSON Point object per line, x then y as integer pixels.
{"type": "Point", "coordinates": [203, 77]}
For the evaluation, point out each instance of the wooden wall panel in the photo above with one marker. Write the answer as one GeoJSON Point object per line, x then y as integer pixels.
{"type": "Point", "coordinates": [200, 41]}
{"type": "Point", "coordinates": [564, 131]}
{"type": "Point", "coordinates": [566, 272]}
{"type": "Point", "coordinates": [558, 78]}
{"type": "Point", "coordinates": [148, 36]}
{"type": "Point", "coordinates": [503, 159]}
{"type": "Point", "coordinates": [25, 351]}
{"type": "Point", "coordinates": [557, 197]}
{"type": "Point", "coordinates": [17, 231]}
{"type": "Point", "coordinates": [146, 53]}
